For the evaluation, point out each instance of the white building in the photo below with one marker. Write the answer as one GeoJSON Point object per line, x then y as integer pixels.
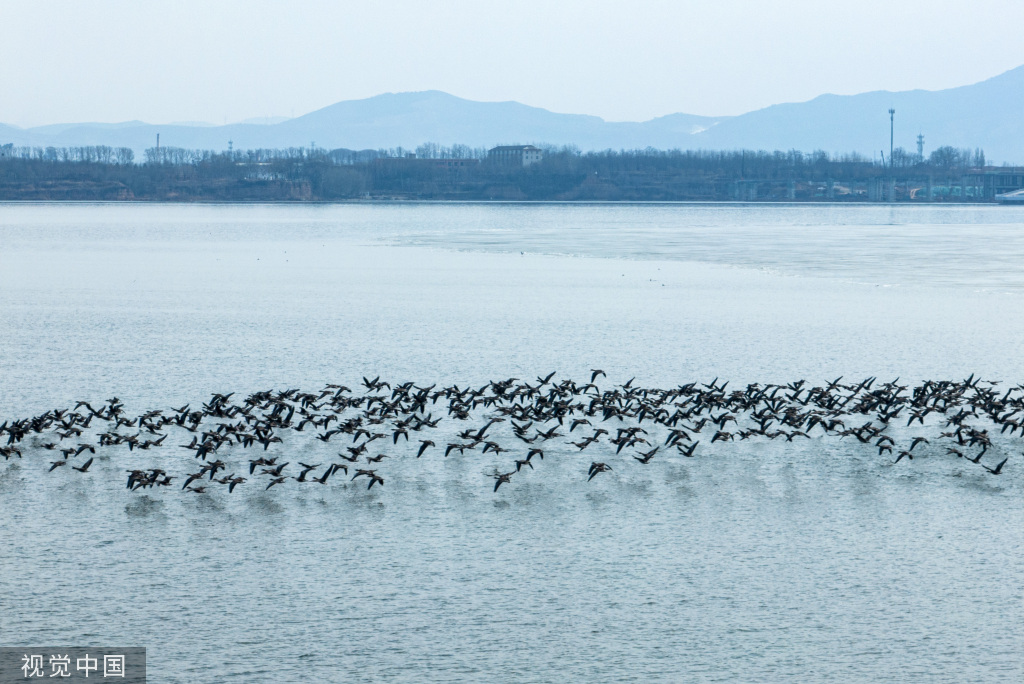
{"type": "Point", "coordinates": [515, 155]}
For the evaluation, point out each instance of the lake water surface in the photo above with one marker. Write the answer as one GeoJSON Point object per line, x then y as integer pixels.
{"type": "Point", "coordinates": [793, 562]}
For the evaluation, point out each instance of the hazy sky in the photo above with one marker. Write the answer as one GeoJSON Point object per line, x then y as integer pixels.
{"type": "Point", "coordinates": [220, 61]}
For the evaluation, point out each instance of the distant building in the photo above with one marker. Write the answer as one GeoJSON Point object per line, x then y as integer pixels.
{"type": "Point", "coordinates": [515, 155]}
{"type": "Point", "coordinates": [991, 182]}
{"type": "Point", "coordinates": [454, 163]}
{"type": "Point", "coordinates": [410, 161]}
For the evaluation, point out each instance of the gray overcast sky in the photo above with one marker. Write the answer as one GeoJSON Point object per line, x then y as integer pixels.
{"type": "Point", "coordinates": [220, 61]}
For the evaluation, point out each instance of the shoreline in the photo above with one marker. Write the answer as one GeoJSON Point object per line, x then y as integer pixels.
{"type": "Point", "coordinates": [583, 202]}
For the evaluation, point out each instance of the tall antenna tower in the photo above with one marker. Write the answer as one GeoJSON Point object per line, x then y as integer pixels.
{"type": "Point", "coordinates": [892, 123]}
{"type": "Point", "coordinates": [920, 146]}
{"type": "Point", "coordinates": [892, 162]}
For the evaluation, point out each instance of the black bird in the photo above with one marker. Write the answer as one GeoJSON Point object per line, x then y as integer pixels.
{"type": "Point", "coordinates": [84, 467]}
{"type": "Point", "coordinates": [275, 472]}
{"type": "Point", "coordinates": [306, 470]}
{"type": "Point", "coordinates": [334, 467]}
{"type": "Point", "coordinates": [687, 451]}
{"type": "Point", "coordinates": [424, 444]}
{"type": "Point", "coordinates": [645, 458]}
{"type": "Point", "coordinates": [903, 454]}
{"type": "Point", "coordinates": [500, 478]}
{"type": "Point", "coordinates": [576, 423]}
{"type": "Point", "coordinates": [302, 476]}
{"type": "Point", "coordinates": [192, 478]}
{"type": "Point", "coordinates": [596, 468]}
{"type": "Point", "coordinates": [998, 469]}
{"type": "Point", "coordinates": [261, 462]}
{"type": "Point", "coordinates": [216, 466]}
{"type": "Point", "coordinates": [135, 476]}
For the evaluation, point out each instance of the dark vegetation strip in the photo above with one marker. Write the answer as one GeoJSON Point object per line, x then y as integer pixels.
{"type": "Point", "coordinates": [458, 173]}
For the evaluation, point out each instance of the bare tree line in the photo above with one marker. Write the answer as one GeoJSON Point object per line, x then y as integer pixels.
{"type": "Point", "coordinates": [944, 158]}
{"type": "Point", "coordinates": [91, 154]}
{"type": "Point", "coordinates": [180, 156]}
{"type": "Point", "coordinates": [433, 171]}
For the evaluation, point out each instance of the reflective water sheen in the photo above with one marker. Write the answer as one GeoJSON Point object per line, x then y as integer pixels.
{"type": "Point", "coordinates": [767, 562]}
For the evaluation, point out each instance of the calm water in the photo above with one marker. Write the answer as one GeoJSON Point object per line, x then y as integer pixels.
{"type": "Point", "coordinates": [809, 562]}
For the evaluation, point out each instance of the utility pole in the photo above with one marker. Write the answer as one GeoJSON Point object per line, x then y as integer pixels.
{"type": "Point", "coordinates": [892, 120]}
{"type": "Point", "coordinates": [892, 165]}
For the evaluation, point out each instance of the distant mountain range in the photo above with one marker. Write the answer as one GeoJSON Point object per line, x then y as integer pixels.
{"type": "Point", "coordinates": [986, 115]}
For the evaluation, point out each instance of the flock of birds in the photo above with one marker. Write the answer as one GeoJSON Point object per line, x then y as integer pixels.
{"type": "Point", "coordinates": [377, 424]}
